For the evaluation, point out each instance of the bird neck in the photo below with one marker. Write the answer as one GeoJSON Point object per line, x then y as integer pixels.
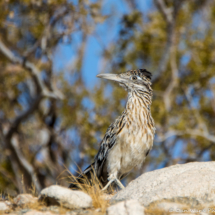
{"type": "Point", "coordinates": [138, 107]}
{"type": "Point", "coordinates": [140, 98]}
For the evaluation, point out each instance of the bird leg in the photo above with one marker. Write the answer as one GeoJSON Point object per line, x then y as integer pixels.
{"type": "Point", "coordinates": [118, 182]}
{"type": "Point", "coordinates": [113, 180]}
{"type": "Point", "coordinates": [108, 184]}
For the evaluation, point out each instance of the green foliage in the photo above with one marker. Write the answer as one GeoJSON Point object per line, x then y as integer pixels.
{"type": "Point", "coordinates": [68, 131]}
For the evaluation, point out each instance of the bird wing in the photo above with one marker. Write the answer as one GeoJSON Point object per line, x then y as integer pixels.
{"type": "Point", "coordinates": [108, 142]}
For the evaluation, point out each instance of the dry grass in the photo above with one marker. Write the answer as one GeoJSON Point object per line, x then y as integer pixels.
{"type": "Point", "coordinates": [100, 199]}
{"type": "Point", "coordinates": [161, 211]}
{"type": "Point", "coordinates": [93, 188]}
{"type": "Point", "coordinates": [157, 211]}
{"type": "Point", "coordinates": [33, 190]}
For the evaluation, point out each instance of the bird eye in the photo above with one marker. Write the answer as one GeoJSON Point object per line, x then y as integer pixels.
{"type": "Point", "coordinates": [134, 77]}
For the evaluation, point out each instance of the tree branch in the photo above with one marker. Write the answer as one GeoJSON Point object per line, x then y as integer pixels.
{"type": "Point", "coordinates": [191, 132]}
{"type": "Point", "coordinates": [24, 163]}
{"type": "Point", "coordinates": [170, 15]}
{"type": "Point", "coordinates": [166, 12]}
{"type": "Point", "coordinates": [42, 41]}
{"type": "Point", "coordinates": [15, 155]}
{"type": "Point", "coordinates": [35, 73]}
{"type": "Point", "coordinates": [15, 124]}
{"type": "Point", "coordinates": [174, 79]}
{"type": "Point", "coordinates": [212, 88]}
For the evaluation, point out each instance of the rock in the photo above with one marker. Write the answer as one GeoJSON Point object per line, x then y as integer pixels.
{"type": "Point", "coordinates": [106, 196]}
{"type": "Point", "coordinates": [129, 207]}
{"type": "Point", "coordinates": [192, 184]}
{"type": "Point", "coordinates": [57, 195]}
{"type": "Point", "coordinates": [35, 212]}
{"type": "Point", "coordinates": [98, 210]}
{"type": "Point", "coordinates": [164, 206]}
{"type": "Point", "coordinates": [23, 199]}
{"type": "Point", "coordinates": [24, 210]}
{"type": "Point", "coordinates": [169, 206]}
{"type": "Point", "coordinates": [8, 203]}
{"type": "Point", "coordinates": [4, 206]}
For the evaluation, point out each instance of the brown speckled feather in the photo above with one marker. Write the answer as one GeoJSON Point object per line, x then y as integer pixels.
{"type": "Point", "coordinates": [129, 139]}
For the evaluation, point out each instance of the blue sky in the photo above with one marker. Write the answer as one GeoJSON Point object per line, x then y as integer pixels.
{"type": "Point", "coordinates": [106, 32]}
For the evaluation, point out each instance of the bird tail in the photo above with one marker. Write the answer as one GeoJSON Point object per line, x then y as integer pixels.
{"type": "Point", "coordinates": [84, 178]}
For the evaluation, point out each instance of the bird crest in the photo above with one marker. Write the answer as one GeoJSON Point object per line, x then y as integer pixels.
{"type": "Point", "coordinates": [141, 72]}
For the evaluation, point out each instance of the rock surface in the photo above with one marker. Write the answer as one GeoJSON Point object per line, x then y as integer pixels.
{"type": "Point", "coordinates": [23, 199]}
{"type": "Point", "coordinates": [35, 212]}
{"type": "Point", "coordinates": [192, 183]}
{"type": "Point", "coordinates": [4, 206]}
{"type": "Point", "coordinates": [176, 190]}
{"type": "Point", "coordinates": [57, 195]}
{"type": "Point", "coordinates": [165, 206]}
{"type": "Point", "coordinates": [130, 207]}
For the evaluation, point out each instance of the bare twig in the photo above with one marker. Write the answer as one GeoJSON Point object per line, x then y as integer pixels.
{"type": "Point", "coordinates": [132, 4]}
{"type": "Point", "coordinates": [35, 73]}
{"type": "Point", "coordinates": [24, 163]}
{"type": "Point", "coordinates": [212, 88]}
{"type": "Point", "coordinates": [8, 175]}
{"type": "Point", "coordinates": [166, 12]}
{"type": "Point", "coordinates": [42, 41]}
{"type": "Point", "coordinates": [199, 154]}
{"type": "Point", "coordinates": [195, 112]}
{"type": "Point", "coordinates": [15, 124]}
{"type": "Point", "coordinates": [11, 141]}
{"type": "Point", "coordinates": [174, 79]}
{"type": "Point", "coordinates": [15, 155]}
{"type": "Point", "coordinates": [191, 132]}
{"type": "Point", "coordinates": [169, 15]}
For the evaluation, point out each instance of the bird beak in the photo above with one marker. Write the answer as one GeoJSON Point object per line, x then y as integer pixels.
{"type": "Point", "coordinates": [113, 77]}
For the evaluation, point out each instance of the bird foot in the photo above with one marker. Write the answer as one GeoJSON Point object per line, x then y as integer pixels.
{"type": "Point", "coordinates": [116, 181]}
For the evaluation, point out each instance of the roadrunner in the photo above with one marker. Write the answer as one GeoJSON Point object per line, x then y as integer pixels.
{"type": "Point", "coordinates": [129, 139]}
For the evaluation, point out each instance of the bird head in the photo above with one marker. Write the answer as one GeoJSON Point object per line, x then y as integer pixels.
{"type": "Point", "coordinates": [131, 80]}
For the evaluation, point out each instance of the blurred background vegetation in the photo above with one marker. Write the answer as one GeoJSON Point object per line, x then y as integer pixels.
{"type": "Point", "coordinates": [53, 111]}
